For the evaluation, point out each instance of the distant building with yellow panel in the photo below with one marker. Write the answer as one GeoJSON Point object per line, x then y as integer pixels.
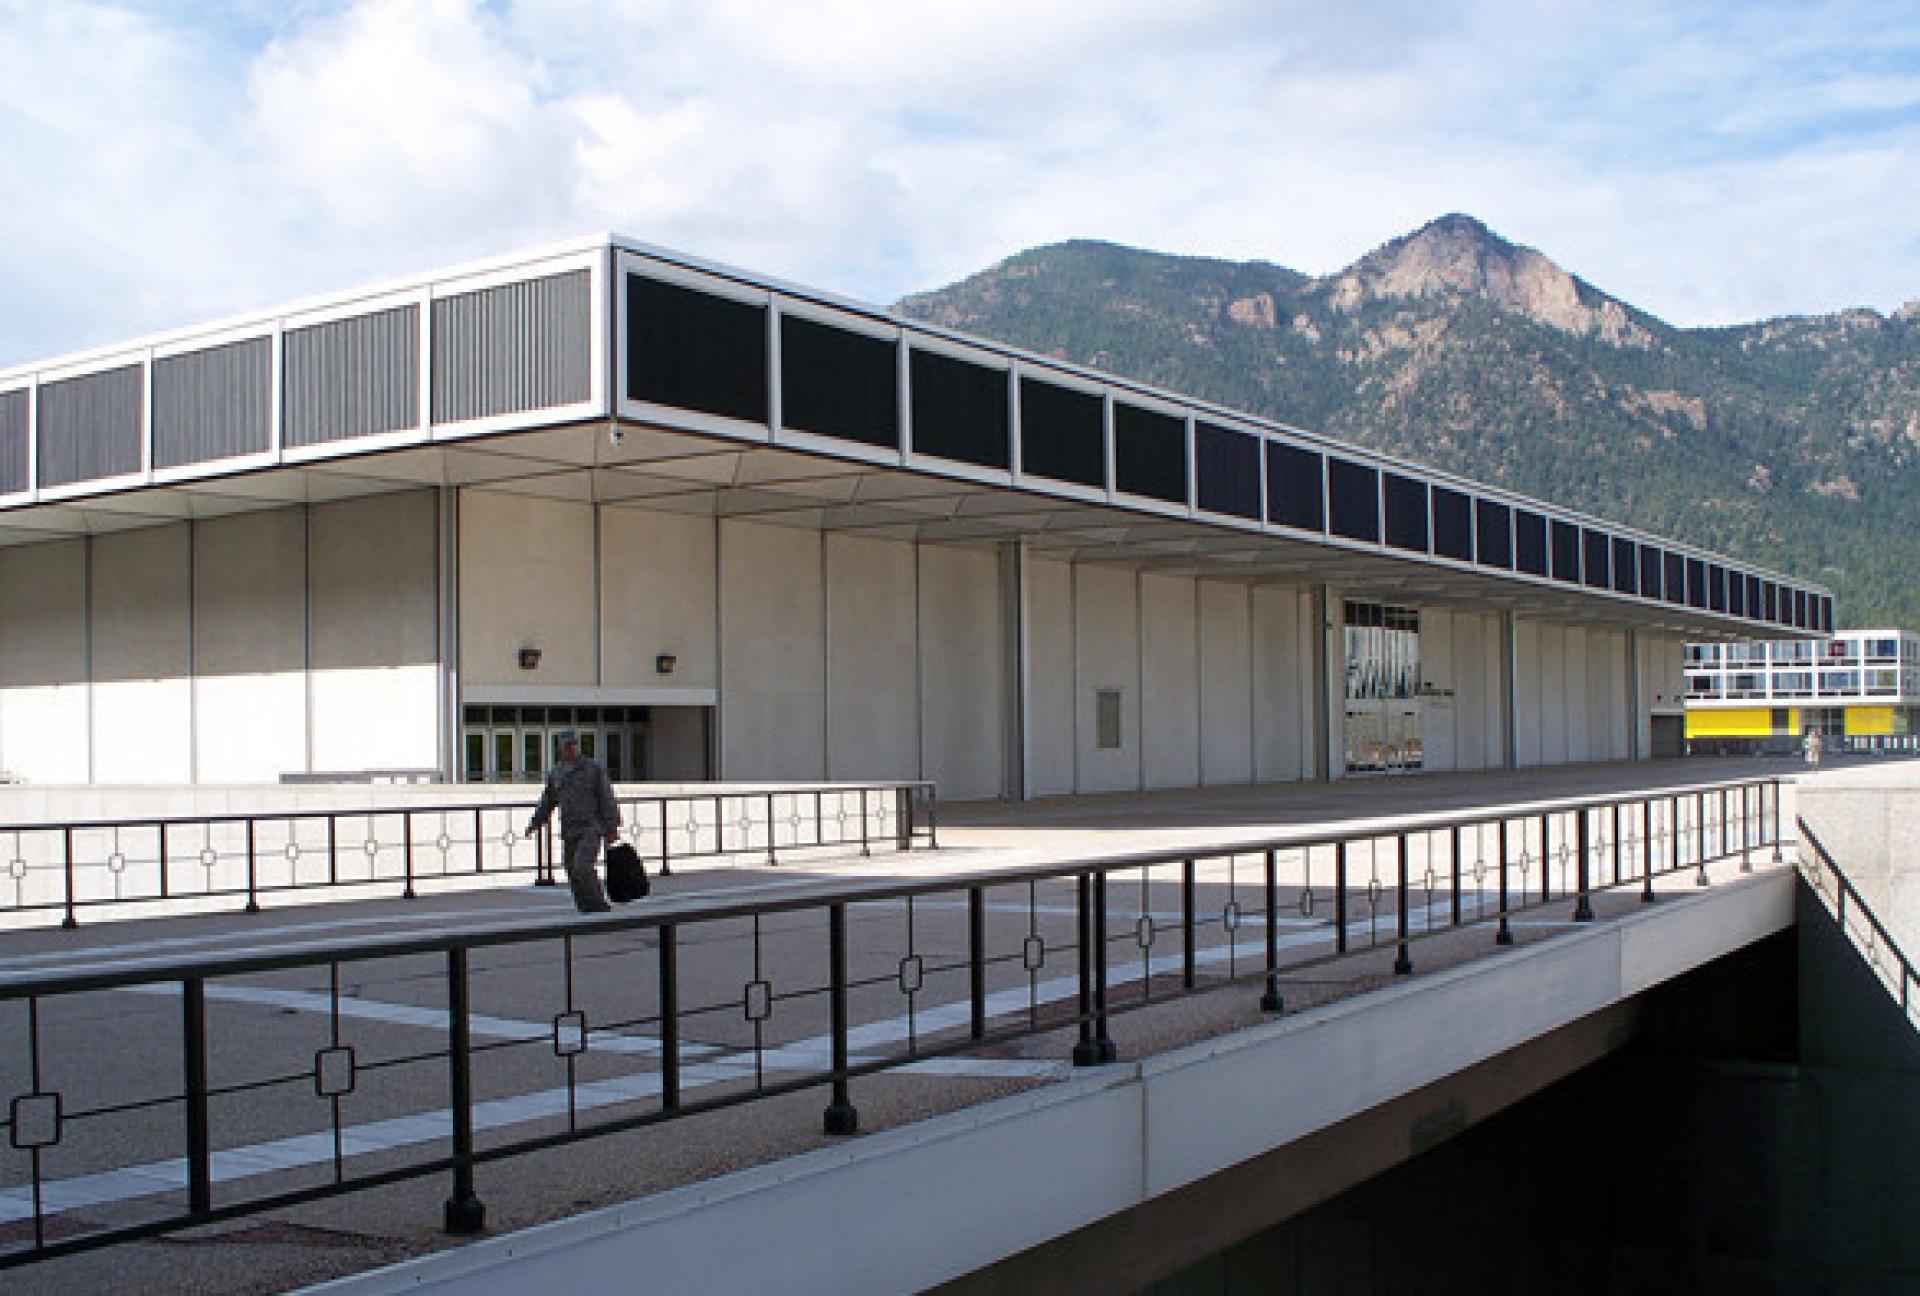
{"type": "Point", "coordinates": [1860, 684]}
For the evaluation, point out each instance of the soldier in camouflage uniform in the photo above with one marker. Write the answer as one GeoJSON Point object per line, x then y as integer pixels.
{"type": "Point", "coordinates": [589, 815]}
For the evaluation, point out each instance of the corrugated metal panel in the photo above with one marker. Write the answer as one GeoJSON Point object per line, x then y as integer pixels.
{"type": "Point", "coordinates": [13, 441]}
{"type": "Point", "coordinates": [351, 378]}
{"type": "Point", "coordinates": [213, 404]}
{"type": "Point", "coordinates": [90, 427]}
{"type": "Point", "coordinates": [520, 346]}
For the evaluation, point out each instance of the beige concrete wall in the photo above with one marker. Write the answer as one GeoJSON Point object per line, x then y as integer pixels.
{"type": "Point", "coordinates": [1283, 683]}
{"type": "Point", "coordinates": [374, 636]}
{"type": "Point", "coordinates": [526, 580]}
{"type": "Point", "coordinates": [249, 649]}
{"type": "Point", "coordinates": [961, 671]}
{"type": "Point", "coordinates": [1106, 656]}
{"type": "Point", "coordinates": [1226, 682]}
{"type": "Point", "coordinates": [1050, 690]}
{"type": "Point", "coordinates": [1527, 720]}
{"type": "Point", "coordinates": [873, 720]}
{"type": "Point", "coordinates": [772, 653]}
{"type": "Point", "coordinates": [141, 627]}
{"type": "Point", "coordinates": [657, 596]}
{"type": "Point", "coordinates": [1170, 671]}
{"type": "Point", "coordinates": [44, 733]}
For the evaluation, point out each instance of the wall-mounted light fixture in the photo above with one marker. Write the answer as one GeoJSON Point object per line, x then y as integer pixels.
{"type": "Point", "coordinates": [529, 658]}
{"type": "Point", "coordinates": [664, 663]}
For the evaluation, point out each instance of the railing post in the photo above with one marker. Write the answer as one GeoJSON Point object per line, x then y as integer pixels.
{"type": "Point", "coordinates": [1546, 857]}
{"type": "Point", "coordinates": [406, 850]}
{"type": "Point", "coordinates": [1453, 846]}
{"type": "Point", "coordinates": [977, 960]}
{"type": "Point", "coordinates": [841, 1118]}
{"type": "Point", "coordinates": [333, 850]}
{"type": "Point", "coordinates": [903, 818]}
{"type": "Point", "coordinates": [193, 1030]}
{"type": "Point", "coordinates": [253, 871]}
{"type": "Point", "coordinates": [772, 860]}
{"type": "Point", "coordinates": [933, 817]}
{"type": "Point", "coordinates": [1101, 1039]}
{"type": "Point", "coordinates": [666, 851]}
{"type": "Point", "coordinates": [464, 1212]}
{"type": "Point", "coordinates": [1270, 1001]}
{"type": "Point", "coordinates": [1583, 904]}
{"type": "Point", "coordinates": [1086, 1051]}
{"type": "Point", "coordinates": [1700, 835]}
{"type": "Point", "coordinates": [479, 844]}
{"type": "Point", "coordinates": [1646, 851]}
{"type": "Point", "coordinates": [1403, 961]}
{"type": "Point", "coordinates": [1188, 954]}
{"type": "Point", "coordinates": [669, 1018]}
{"type": "Point", "coordinates": [160, 827]}
{"type": "Point", "coordinates": [1776, 821]}
{"type": "Point", "coordinates": [1340, 897]}
{"type": "Point", "coordinates": [1616, 843]}
{"type": "Point", "coordinates": [72, 919]}
{"type": "Point", "coordinates": [1505, 935]}
{"type": "Point", "coordinates": [1746, 829]}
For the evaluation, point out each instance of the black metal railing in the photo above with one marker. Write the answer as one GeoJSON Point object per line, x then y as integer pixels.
{"type": "Point", "coordinates": [1877, 744]}
{"type": "Point", "coordinates": [1858, 922]}
{"type": "Point", "coordinates": [68, 868]}
{"type": "Point", "coordinates": [274, 1077]}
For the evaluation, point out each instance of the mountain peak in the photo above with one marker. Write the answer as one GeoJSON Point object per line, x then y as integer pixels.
{"type": "Point", "coordinates": [1458, 256]}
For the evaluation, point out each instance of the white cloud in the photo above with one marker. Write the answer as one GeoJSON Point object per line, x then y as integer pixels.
{"type": "Point", "coordinates": [1709, 164]}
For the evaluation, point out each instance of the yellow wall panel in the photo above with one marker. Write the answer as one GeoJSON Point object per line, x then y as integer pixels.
{"type": "Point", "coordinates": [1742, 722]}
{"type": "Point", "coordinates": [1869, 721]}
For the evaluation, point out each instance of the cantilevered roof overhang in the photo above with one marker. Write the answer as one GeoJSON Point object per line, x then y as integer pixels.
{"type": "Point", "coordinates": [608, 371]}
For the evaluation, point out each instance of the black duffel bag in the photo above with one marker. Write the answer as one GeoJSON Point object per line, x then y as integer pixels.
{"type": "Point", "coordinates": [626, 875]}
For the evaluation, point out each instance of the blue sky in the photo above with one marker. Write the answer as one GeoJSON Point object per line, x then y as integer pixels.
{"type": "Point", "coordinates": [1711, 163]}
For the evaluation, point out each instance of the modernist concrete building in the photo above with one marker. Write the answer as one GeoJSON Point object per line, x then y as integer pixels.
{"type": "Point", "coordinates": [740, 529]}
{"type": "Point", "coordinates": [1768, 695]}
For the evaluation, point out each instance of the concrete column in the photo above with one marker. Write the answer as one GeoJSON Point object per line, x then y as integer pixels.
{"type": "Point", "coordinates": [1323, 681]}
{"type": "Point", "coordinates": [1633, 699]}
{"type": "Point", "coordinates": [1509, 732]}
{"type": "Point", "coordinates": [447, 516]}
{"type": "Point", "coordinates": [1016, 671]}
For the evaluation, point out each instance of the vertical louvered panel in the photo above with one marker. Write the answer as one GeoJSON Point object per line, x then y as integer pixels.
{"type": "Point", "coordinates": [13, 442]}
{"type": "Point", "coordinates": [213, 404]}
{"type": "Point", "coordinates": [520, 346]}
{"type": "Point", "coordinates": [90, 426]}
{"type": "Point", "coordinates": [352, 378]}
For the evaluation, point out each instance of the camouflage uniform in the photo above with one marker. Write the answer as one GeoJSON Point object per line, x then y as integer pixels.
{"type": "Point", "coordinates": [584, 795]}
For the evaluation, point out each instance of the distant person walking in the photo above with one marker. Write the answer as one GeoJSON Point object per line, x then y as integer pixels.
{"type": "Point", "coordinates": [579, 787]}
{"type": "Point", "coordinates": [1812, 748]}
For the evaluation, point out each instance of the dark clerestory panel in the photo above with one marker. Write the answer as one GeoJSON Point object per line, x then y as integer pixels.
{"type": "Point", "coordinates": [1696, 583]}
{"type": "Point", "coordinates": [1717, 587]}
{"type": "Point", "coordinates": [1405, 500]}
{"type": "Point", "coordinates": [352, 377]}
{"type": "Point", "coordinates": [14, 409]}
{"type": "Point", "coordinates": [213, 404]}
{"type": "Point", "coordinates": [1800, 609]}
{"type": "Point", "coordinates": [1062, 433]}
{"type": "Point", "coordinates": [839, 383]}
{"type": "Point", "coordinates": [1753, 597]}
{"type": "Point", "coordinates": [1353, 500]}
{"type": "Point", "coordinates": [1226, 471]}
{"type": "Point", "coordinates": [1674, 578]}
{"type": "Point", "coordinates": [90, 426]}
{"type": "Point", "coordinates": [1772, 592]}
{"type": "Point", "coordinates": [693, 350]}
{"type": "Point", "coordinates": [1494, 535]}
{"type": "Point", "coordinates": [1596, 551]}
{"type": "Point", "coordinates": [959, 410]}
{"type": "Point", "coordinates": [1566, 552]}
{"type": "Point", "coordinates": [1736, 594]}
{"type": "Point", "coordinates": [1149, 453]}
{"type": "Point", "coordinates": [1295, 490]}
{"type": "Point", "coordinates": [1626, 567]}
{"type": "Point", "coordinates": [1650, 569]}
{"type": "Point", "coordinates": [1452, 524]}
{"type": "Point", "coordinates": [1530, 542]}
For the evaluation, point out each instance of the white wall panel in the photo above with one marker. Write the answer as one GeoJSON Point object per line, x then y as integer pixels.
{"type": "Point", "coordinates": [1170, 667]}
{"type": "Point", "coordinates": [1107, 656]}
{"type": "Point", "coordinates": [1226, 683]}
{"type": "Point", "coordinates": [872, 725]}
{"type": "Point", "coordinates": [1050, 692]}
{"type": "Point", "coordinates": [250, 689]}
{"type": "Point", "coordinates": [44, 735]}
{"type": "Point", "coordinates": [375, 633]}
{"type": "Point", "coordinates": [1469, 691]}
{"type": "Point", "coordinates": [141, 629]}
{"type": "Point", "coordinates": [1283, 683]}
{"type": "Point", "coordinates": [1573, 696]}
{"type": "Point", "coordinates": [657, 596]}
{"type": "Point", "coordinates": [772, 655]}
{"type": "Point", "coordinates": [1529, 719]}
{"type": "Point", "coordinates": [526, 580]}
{"type": "Point", "coordinates": [1438, 674]}
{"type": "Point", "coordinates": [961, 670]}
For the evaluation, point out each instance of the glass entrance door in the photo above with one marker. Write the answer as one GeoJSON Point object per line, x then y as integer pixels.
{"type": "Point", "coordinates": [512, 744]}
{"type": "Point", "coordinates": [1383, 724]}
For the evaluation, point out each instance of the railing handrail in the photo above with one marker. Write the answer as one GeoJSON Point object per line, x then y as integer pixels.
{"type": "Point", "coordinates": [464, 807]}
{"type": "Point", "coordinates": [1852, 894]}
{"type": "Point", "coordinates": [810, 895]}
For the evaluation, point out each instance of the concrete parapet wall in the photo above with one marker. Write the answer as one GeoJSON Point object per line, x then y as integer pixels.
{"type": "Point", "coordinates": [1868, 820]}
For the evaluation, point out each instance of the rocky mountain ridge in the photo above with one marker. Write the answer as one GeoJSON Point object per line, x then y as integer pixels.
{"type": "Point", "coordinates": [1794, 442]}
